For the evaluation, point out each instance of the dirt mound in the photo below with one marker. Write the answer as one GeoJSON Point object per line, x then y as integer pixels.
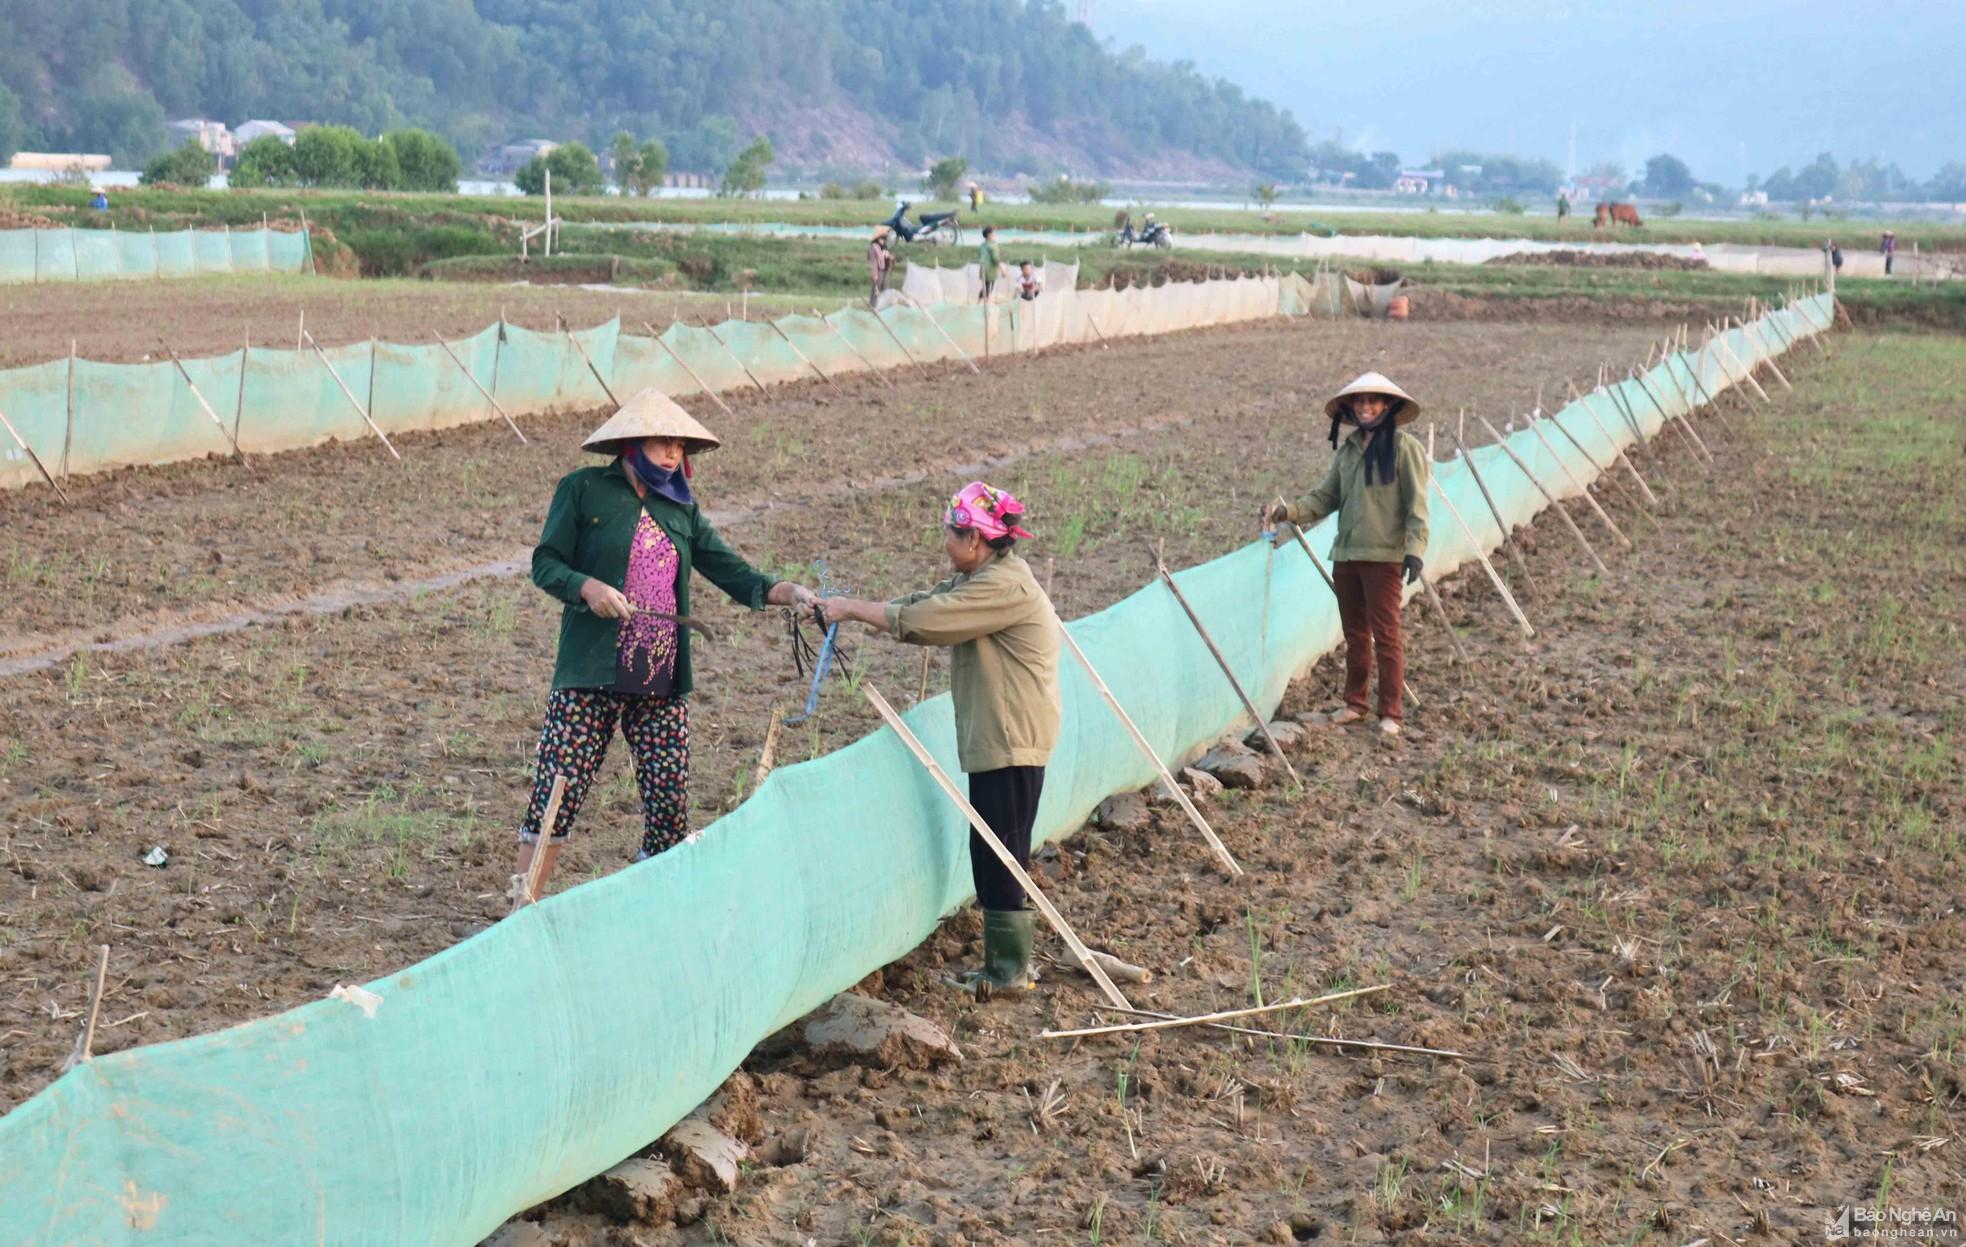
{"type": "Point", "coordinates": [24, 220]}
{"type": "Point", "coordinates": [1375, 276]}
{"type": "Point", "coordinates": [1601, 259]}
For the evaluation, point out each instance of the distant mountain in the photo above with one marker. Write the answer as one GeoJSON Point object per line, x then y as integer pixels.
{"type": "Point", "coordinates": [839, 85]}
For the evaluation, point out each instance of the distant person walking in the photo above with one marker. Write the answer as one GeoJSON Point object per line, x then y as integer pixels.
{"type": "Point", "coordinates": [975, 197]}
{"type": "Point", "coordinates": [1889, 246]}
{"type": "Point", "coordinates": [879, 261]}
{"type": "Point", "coordinates": [1562, 205]}
{"type": "Point", "coordinates": [1835, 256]}
{"type": "Point", "coordinates": [988, 263]}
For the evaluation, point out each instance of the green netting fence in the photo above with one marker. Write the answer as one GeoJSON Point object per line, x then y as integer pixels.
{"type": "Point", "coordinates": [516, 1064]}
{"type": "Point", "coordinates": [80, 416]}
{"type": "Point", "coordinates": [34, 255]}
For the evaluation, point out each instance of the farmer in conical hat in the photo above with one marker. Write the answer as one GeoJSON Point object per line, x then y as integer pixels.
{"type": "Point", "coordinates": [617, 549]}
{"type": "Point", "coordinates": [1378, 486]}
{"type": "Point", "coordinates": [1003, 676]}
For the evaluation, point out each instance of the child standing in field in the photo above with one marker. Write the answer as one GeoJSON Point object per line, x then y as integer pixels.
{"type": "Point", "coordinates": [988, 263]}
{"type": "Point", "coordinates": [1378, 486]}
{"type": "Point", "coordinates": [879, 261]}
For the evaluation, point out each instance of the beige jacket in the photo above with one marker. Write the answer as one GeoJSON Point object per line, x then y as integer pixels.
{"type": "Point", "coordinates": [1003, 663]}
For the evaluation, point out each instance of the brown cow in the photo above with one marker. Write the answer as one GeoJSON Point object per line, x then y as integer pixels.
{"type": "Point", "coordinates": [1603, 217]}
{"type": "Point", "coordinates": [1626, 214]}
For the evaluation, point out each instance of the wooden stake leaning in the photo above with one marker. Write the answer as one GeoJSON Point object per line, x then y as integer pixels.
{"type": "Point", "coordinates": [1501, 526]}
{"type": "Point", "coordinates": [902, 346]}
{"type": "Point", "coordinates": [1685, 425]}
{"type": "Point", "coordinates": [222, 430]}
{"type": "Point", "coordinates": [712, 331]}
{"type": "Point", "coordinates": [1692, 401]}
{"type": "Point", "coordinates": [945, 333]}
{"type": "Point", "coordinates": [1615, 448]}
{"type": "Point", "coordinates": [801, 354]}
{"type": "Point", "coordinates": [1319, 1040]}
{"type": "Point", "coordinates": [85, 1043]}
{"type": "Point", "coordinates": [878, 374]}
{"type": "Point", "coordinates": [41, 467]}
{"type": "Point", "coordinates": [1579, 486]}
{"type": "Point", "coordinates": [239, 405]}
{"type": "Point", "coordinates": [1303, 543]}
{"type": "Point", "coordinates": [1262, 724]}
{"type": "Point", "coordinates": [1095, 330]}
{"type": "Point", "coordinates": [585, 358]}
{"type": "Point", "coordinates": [1162, 1024]}
{"type": "Point", "coordinates": [1548, 497]}
{"type": "Point", "coordinates": [350, 395]}
{"type": "Point", "coordinates": [68, 427]}
{"type": "Point", "coordinates": [1746, 373]}
{"type": "Point", "coordinates": [684, 364]}
{"type": "Point", "coordinates": [989, 836]}
{"type": "Point", "coordinates": [552, 816]}
{"type": "Point", "coordinates": [1166, 777]}
{"type": "Point", "coordinates": [1770, 359]}
{"type": "Point", "coordinates": [1604, 472]}
{"type": "Point", "coordinates": [769, 754]}
{"type": "Point", "coordinates": [1494, 577]}
{"type": "Point", "coordinates": [481, 389]}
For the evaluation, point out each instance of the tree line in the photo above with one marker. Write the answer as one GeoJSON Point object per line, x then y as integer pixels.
{"type": "Point", "coordinates": [969, 77]}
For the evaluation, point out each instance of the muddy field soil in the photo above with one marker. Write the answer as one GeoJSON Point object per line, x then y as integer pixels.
{"type": "Point", "coordinates": [1654, 260]}
{"type": "Point", "coordinates": [158, 549]}
{"type": "Point", "coordinates": [1683, 875]}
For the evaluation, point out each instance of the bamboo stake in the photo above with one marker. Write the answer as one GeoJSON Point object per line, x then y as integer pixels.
{"type": "Point", "coordinates": [1746, 373]}
{"type": "Point", "coordinates": [1638, 437]}
{"type": "Point", "coordinates": [801, 354]}
{"type": "Point", "coordinates": [1303, 543]}
{"type": "Point", "coordinates": [1508, 540]}
{"type": "Point", "coordinates": [1166, 777]}
{"type": "Point", "coordinates": [878, 374]}
{"type": "Point", "coordinates": [85, 1043]}
{"type": "Point", "coordinates": [1321, 1040]}
{"type": "Point", "coordinates": [1494, 577]}
{"type": "Point", "coordinates": [990, 840]}
{"type": "Point", "coordinates": [481, 389]}
{"type": "Point", "coordinates": [1604, 472]}
{"type": "Point", "coordinates": [18, 441]}
{"type": "Point", "coordinates": [712, 331]}
{"type": "Point", "coordinates": [68, 428]}
{"type": "Point", "coordinates": [371, 395]}
{"type": "Point", "coordinates": [546, 823]}
{"type": "Point", "coordinates": [1262, 724]}
{"type": "Point", "coordinates": [1095, 330]}
{"type": "Point", "coordinates": [1548, 497]}
{"type": "Point", "coordinates": [350, 395]}
{"type": "Point", "coordinates": [945, 333]}
{"type": "Point", "coordinates": [700, 383]}
{"type": "Point", "coordinates": [1684, 424]}
{"type": "Point", "coordinates": [907, 355]}
{"type": "Point", "coordinates": [768, 754]}
{"type": "Point", "coordinates": [1616, 449]}
{"type": "Point", "coordinates": [300, 334]}
{"type": "Point", "coordinates": [921, 693]}
{"type": "Point", "coordinates": [498, 354]}
{"type": "Point", "coordinates": [1440, 608]}
{"type": "Point", "coordinates": [1579, 485]}
{"type": "Point", "coordinates": [575, 342]}
{"type": "Point", "coordinates": [1770, 359]}
{"type": "Point", "coordinates": [1161, 1024]}
{"type": "Point", "coordinates": [1692, 399]}
{"type": "Point", "coordinates": [239, 405]}
{"type": "Point", "coordinates": [222, 431]}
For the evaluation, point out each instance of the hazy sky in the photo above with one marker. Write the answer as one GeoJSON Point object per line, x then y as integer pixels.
{"type": "Point", "coordinates": [1731, 86]}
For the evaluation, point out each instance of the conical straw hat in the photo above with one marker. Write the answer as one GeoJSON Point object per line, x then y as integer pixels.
{"type": "Point", "coordinates": [1375, 383]}
{"type": "Point", "coordinates": [651, 414]}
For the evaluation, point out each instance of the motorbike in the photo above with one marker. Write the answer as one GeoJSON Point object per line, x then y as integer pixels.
{"type": "Point", "coordinates": [933, 227]}
{"type": "Point", "coordinates": [1155, 235]}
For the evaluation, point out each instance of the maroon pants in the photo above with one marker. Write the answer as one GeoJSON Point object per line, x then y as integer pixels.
{"type": "Point", "coordinates": [1368, 607]}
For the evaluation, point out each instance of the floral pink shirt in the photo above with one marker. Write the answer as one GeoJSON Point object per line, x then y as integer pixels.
{"type": "Point", "coordinates": [645, 656]}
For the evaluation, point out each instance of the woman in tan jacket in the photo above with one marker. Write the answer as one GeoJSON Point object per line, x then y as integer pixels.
{"type": "Point", "coordinates": [1003, 671]}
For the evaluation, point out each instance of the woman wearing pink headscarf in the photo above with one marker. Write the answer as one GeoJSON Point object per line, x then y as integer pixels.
{"type": "Point", "coordinates": [1003, 676]}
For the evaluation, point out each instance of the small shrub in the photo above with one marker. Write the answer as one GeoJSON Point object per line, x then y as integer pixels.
{"type": "Point", "coordinates": [190, 165]}
{"type": "Point", "coordinates": [1065, 191]}
{"type": "Point", "coordinates": [1509, 205]}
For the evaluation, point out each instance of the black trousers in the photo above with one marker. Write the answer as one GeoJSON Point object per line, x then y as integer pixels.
{"type": "Point", "coordinates": [1008, 801]}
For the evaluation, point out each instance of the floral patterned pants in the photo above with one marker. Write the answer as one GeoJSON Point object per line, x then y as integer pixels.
{"type": "Point", "coordinates": [580, 723]}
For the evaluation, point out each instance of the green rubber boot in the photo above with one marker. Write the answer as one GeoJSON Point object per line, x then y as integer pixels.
{"type": "Point", "coordinates": [1008, 935]}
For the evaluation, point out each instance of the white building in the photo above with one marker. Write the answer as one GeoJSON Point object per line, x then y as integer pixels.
{"type": "Point", "coordinates": [208, 134]}
{"type": "Point", "coordinates": [260, 129]}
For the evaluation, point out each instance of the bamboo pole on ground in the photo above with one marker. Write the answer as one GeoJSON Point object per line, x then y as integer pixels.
{"type": "Point", "coordinates": [222, 432]}
{"type": "Point", "coordinates": [684, 364]}
{"type": "Point", "coordinates": [39, 466]}
{"type": "Point", "coordinates": [1548, 497]}
{"type": "Point", "coordinates": [1685, 425]}
{"type": "Point", "coordinates": [989, 837]}
{"type": "Point", "coordinates": [945, 333]}
{"type": "Point", "coordinates": [878, 374]}
{"type": "Point", "coordinates": [1580, 487]}
{"type": "Point", "coordinates": [1326, 1041]}
{"type": "Point", "coordinates": [1262, 724]}
{"type": "Point", "coordinates": [1615, 447]}
{"type": "Point", "coordinates": [1501, 526]}
{"type": "Point", "coordinates": [536, 872]}
{"type": "Point", "coordinates": [1160, 1024]}
{"type": "Point", "coordinates": [905, 352]}
{"type": "Point", "coordinates": [1494, 577]}
{"type": "Point", "coordinates": [801, 354]}
{"type": "Point", "coordinates": [1222, 853]}
{"type": "Point", "coordinates": [718, 339]}
{"type": "Point", "coordinates": [350, 395]}
{"type": "Point", "coordinates": [1303, 543]}
{"type": "Point", "coordinates": [481, 389]}
{"type": "Point", "coordinates": [585, 358]}
{"type": "Point", "coordinates": [1604, 472]}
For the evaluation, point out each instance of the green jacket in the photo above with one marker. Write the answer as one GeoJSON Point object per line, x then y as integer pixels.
{"type": "Point", "coordinates": [589, 529]}
{"type": "Point", "coordinates": [1003, 667]}
{"type": "Point", "coordinates": [987, 262]}
{"type": "Point", "coordinates": [1379, 523]}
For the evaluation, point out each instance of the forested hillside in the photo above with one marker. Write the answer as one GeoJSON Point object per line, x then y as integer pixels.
{"type": "Point", "coordinates": [1014, 86]}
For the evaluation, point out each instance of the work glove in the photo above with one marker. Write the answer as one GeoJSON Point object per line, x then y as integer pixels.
{"type": "Point", "coordinates": [1412, 565]}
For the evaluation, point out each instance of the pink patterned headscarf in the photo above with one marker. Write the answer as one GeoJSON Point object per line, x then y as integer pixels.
{"type": "Point", "coordinates": [991, 512]}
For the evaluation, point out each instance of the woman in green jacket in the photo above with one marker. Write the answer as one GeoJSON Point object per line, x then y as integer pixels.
{"type": "Point", "coordinates": [1378, 486]}
{"type": "Point", "coordinates": [617, 550]}
{"type": "Point", "coordinates": [1003, 675]}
